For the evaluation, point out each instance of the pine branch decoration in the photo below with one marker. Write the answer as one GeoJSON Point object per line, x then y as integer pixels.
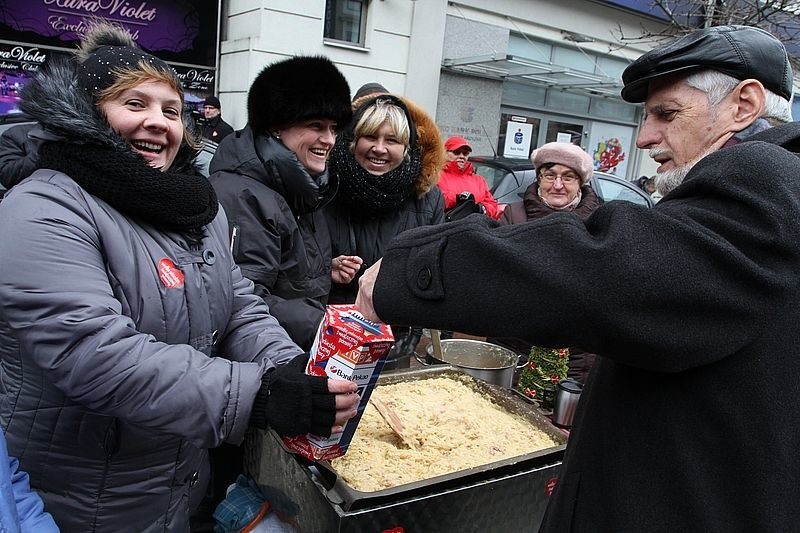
{"type": "Point", "coordinates": [546, 366]}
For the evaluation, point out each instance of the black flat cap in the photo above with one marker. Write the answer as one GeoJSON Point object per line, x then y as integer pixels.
{"type": "Point", "coordinates": [743, 52]}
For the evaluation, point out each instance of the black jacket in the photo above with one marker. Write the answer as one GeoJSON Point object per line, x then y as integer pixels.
{"type": "Point", "coordinates": [690, 419]}
{"type": "Point", "coordinates": [280, 238]}
{"type": "Point", "coordinates": [19, 155]}
{"type": "Point", "coordinates": [368, 237]}
{"type": "Point", "coordinates": [214, 129]}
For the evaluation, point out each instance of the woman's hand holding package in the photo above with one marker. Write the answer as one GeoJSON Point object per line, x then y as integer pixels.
{"type": "Point", "coordinates": [345, 267]}
{"type": "Point", "coordinates": [293, 403]}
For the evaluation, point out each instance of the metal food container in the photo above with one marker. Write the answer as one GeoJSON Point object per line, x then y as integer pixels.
{"type": "Point", "coordinates": [506, 495]}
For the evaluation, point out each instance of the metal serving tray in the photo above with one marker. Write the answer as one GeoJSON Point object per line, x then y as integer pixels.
{"type": "Point", "coordinates": [510, 494]}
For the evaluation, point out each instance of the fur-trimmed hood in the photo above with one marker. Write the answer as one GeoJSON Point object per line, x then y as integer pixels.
{"type": "Point", "coordinates": [429, 140]}
{"type": "Point", "coordinates": [67, 114]}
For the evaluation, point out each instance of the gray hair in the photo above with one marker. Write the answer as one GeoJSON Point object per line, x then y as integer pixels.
{"type": "Point", "coordinates": [717, 86]}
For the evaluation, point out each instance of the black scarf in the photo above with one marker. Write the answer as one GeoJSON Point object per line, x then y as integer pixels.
{"type": "Point", "coordinates": [373, 195]}
{"type": "Point", "coordinates": [172, 200]}
{"type": "Point", "coordinates": [303, 192]}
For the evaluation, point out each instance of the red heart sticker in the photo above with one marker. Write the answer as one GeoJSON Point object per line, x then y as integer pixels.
{"type": "Point", "coordinates": [171, 276]}
{"type": "Point", "coordinates": [550, 486]}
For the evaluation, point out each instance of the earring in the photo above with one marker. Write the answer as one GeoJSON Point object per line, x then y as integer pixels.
{"type": "Point", "coordinates": [276, 135]}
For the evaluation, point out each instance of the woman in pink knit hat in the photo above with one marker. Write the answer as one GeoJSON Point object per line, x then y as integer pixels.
{"type": "Point", "coordinates": [563, 171]}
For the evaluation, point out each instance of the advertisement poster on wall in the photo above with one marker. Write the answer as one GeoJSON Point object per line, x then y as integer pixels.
{"type": "Point", "coordinates": [609, 146]}
{"type": "Point", "coordinates": [518, 139]}
{"type": "Point", "coordinates": [181, 32]}
{"type": "Point", "coordinates": [18, 64]}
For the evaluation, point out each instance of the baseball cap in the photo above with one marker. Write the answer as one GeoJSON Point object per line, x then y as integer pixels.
{"type": "Point", "coordinates": [743, 52]}
{"type": "Point", "coordinates": [454, 143]}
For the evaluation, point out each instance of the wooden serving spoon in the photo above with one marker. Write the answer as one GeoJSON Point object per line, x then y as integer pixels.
{"type": "Point", "coordinates": [393, 420]}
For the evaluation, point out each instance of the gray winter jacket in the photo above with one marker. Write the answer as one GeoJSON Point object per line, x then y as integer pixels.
{"type": "Point", "coordinates": [125, 353]}
{"type": "Point", "coordinates": [109, 388]}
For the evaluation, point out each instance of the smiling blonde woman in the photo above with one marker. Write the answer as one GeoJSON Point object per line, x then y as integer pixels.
{"type": "Point", "coordinates": [387, 164]}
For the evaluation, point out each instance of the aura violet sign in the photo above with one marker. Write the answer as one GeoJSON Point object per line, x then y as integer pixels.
{"type": "Point", "coordinates": [181, 32]}
{"type": "Point", "coordinates": [175, 30]}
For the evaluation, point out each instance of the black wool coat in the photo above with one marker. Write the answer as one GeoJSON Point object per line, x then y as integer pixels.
{"type": "Point", "coordinates": [691, 421]}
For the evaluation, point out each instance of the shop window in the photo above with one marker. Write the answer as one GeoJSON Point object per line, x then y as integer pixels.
{"type": "Point", "coordinates": [346, 20]}
{"type": "Point", "coordinates": [610, 67]}
{"type": "Point", "coordinates": [612, 109]}
{"type": "Point", "coordinates": [519, 45]}
{"type": "Point", "coordinates": [523, 94]}
{"type": "Point", "coordinates": [515, 124]}
{"type": "Point", "coordinates": [575, 103]}
{"type": "Point", "coordinates": [564, 132]}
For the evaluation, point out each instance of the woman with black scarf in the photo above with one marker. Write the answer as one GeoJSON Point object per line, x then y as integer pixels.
{"type": "Point", "coordinates": [130, 342]}
{"type": "Point", "coordinates": [387, 163]}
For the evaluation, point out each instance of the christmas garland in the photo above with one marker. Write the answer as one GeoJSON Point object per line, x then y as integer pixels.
{"type": "Point", "coordinates": [539, 378]}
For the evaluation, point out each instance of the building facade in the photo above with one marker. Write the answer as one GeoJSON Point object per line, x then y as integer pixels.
{"type": "Point", "coordinates": [509, 75]}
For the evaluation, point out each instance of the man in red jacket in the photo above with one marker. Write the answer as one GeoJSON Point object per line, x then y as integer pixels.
{"type": "Point", "coordinates": [458, 180]}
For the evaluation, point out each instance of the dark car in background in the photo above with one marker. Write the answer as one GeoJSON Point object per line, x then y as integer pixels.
{"type": "Point", "coordinates": [508, 179]}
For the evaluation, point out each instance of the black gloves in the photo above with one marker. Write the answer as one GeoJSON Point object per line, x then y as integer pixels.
{"type": "Point", "coordinates": [293, 403]}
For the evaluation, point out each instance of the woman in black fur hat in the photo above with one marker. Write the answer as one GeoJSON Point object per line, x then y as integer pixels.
{"type": "Point", "coordinates": [272, 180]}
{"type": "Point", "coordinates": [129, 340]}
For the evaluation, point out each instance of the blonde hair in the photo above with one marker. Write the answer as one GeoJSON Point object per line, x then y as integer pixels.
{"type": "Point", "coordinates": [383, 110]}
{"type": "Point", "coordinates": [128, 78]}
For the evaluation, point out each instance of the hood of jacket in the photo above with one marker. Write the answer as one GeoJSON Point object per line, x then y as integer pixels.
{"type": "Point", "coordinates": [67, 114]}
{"type": "Point", "coordinates": [267, 160]}
{"type": "Point", "coordinates": [430, 142]}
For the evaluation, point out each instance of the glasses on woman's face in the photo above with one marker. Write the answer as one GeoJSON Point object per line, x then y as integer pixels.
{"type": "Point", "coordinates": [462, 151]}
{"type": "Point", "coordinates": [566, 178]}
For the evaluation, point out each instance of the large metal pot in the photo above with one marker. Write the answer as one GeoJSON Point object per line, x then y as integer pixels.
{"type": "Point", "coordinates": [480, 359]}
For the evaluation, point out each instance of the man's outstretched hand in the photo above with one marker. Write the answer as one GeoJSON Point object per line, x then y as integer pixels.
{"type": "Point", "coordinates": [365, 286]}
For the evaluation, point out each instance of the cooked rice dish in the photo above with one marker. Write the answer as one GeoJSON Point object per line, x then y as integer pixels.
{"type": "Point", "coordinates": [453, 426]}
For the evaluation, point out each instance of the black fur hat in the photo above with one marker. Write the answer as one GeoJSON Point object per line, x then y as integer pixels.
{"type": "Point", "coordinates": [297, 89]}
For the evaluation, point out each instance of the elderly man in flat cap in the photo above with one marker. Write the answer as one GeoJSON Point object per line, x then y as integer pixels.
{"type": "Point", "coordinates": [690, 420]}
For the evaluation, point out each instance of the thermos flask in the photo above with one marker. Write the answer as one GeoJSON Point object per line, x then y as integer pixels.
{"type": "Point", "coordinates": [568, 393]}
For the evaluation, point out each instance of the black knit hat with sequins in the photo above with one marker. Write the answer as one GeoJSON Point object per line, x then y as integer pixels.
{"type": "Point", "coordinates": [107, 50]}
